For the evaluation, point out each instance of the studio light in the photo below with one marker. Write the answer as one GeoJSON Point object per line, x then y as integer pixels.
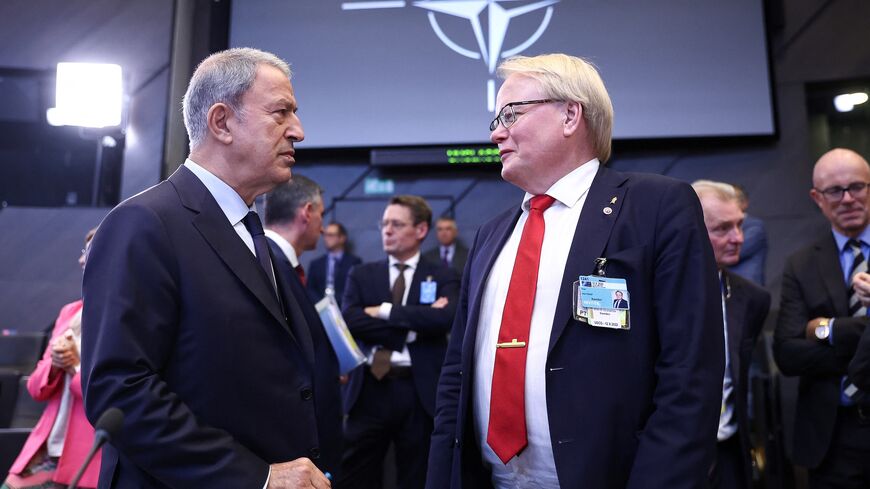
{"type": "Point", "coordinates": [88, 95]}
{"type": "Point", "coordinates": [847, 101]}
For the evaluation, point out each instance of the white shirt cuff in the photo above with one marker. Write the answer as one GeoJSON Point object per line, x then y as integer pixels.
{"type": "Point", "coordinates": [385, 310]}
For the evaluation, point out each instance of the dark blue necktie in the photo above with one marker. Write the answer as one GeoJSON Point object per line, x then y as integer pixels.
{"type": "Point", "coordinates": [261, 246]}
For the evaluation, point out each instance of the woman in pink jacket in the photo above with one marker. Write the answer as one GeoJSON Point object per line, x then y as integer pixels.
{"type": "Point", "coordinates": [61, 439]}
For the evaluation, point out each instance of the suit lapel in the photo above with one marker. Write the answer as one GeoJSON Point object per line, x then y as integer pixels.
{"type": "Point", "coordinates": [828, 261]}
{"type": "Point", "coordinates": [489, 251]}
{"type": "Point", "coordinates": [292, 293]}
{"type": "Point", "coordinates": [735, 317]}
{"type": "Point", "coordinates": [212, 223]}
{"type": "Point", "coordinates": [590, 238]}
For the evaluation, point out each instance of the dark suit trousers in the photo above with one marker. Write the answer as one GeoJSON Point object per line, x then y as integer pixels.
{"type": "Point", "coordinates": [847, 463]}
{"type": "Point", "coordinates": [727, 471]}
{"type": "Point", "coordinates": [386, 410]}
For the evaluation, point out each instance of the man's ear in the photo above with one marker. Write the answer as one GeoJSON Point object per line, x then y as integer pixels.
{"type": "Point", "coordinates": [817, 197]}
{"type": "Point", "coordinates": [573, 118]}
{"type": "Point", "coordinates": [216, 119]}
{"type": "Point", "coordinates": [306, 212]}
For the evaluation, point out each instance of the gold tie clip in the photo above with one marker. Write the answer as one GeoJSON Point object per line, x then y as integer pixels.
{"type": "Point", "coordinates": [512, 344]}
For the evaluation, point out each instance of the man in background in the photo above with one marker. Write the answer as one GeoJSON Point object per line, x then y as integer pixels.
{"type": "Point", "coordinates": [450, 252]}
{"type": "Point", "coordinates": [294, 220]}
{"type": "Point", "coordinates": [399, 309]}
{"type": "Point", "coordinates": [746, 306]}
{"type": "Point", "coordinates": [821, 319]}
{"type": "Point", "coordinates": [329, 272]}
{"type": "Point", "coordinates": [753, 254]}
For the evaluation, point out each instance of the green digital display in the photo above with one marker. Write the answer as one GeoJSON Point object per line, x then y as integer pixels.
{"type": "Point", "coordinates": [459, 156]}
{"type": "Point", "coordinates": [445, 155]}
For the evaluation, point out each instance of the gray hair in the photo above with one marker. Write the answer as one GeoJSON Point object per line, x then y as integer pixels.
{"type": "Point", "coordinates": [223, 77]}
{"type": "Point", "coordinates": [285, 200]}
{"type": "Point", "coordinates": [721, 190]}
{"type": "Point", "coordinates": [571, 79]}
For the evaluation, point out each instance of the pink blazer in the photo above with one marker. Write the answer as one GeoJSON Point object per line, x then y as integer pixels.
{"type": "Point", "coordinates": [46, 384]}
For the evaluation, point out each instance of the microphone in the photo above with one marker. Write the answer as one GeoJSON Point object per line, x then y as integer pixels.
{"type": "Point", "coordinates": [106, 428]}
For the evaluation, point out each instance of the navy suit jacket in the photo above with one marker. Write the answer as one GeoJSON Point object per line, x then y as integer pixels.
{"type": "Point", "coordinates": [859, 367]}
{"type": "Point", "coordinates": [369, 285]}
{"type": "Point", "coordinates": [185, 334]}
{"type": "Point", "coordinates": [317, 275]}
{"type": "Point", "coordinates": [460, 256]}
{"type": "Point", "coordinates": [813, 286]}
{"type": "Point", "coordinates": [746, 308]}
{"type": "Point", "coordinates": [635, 408]}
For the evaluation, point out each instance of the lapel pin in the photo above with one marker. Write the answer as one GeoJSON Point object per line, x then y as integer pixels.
{"type": "Point", "coordinates": [613, 200]}
{"type": "Point", "coordinates": [607, 211]}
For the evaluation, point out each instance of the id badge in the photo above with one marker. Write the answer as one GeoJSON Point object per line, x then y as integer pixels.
{"type": "Point", "coordinates": [428, 291]}
{"type": "Point", "coordinates": [603, 302]}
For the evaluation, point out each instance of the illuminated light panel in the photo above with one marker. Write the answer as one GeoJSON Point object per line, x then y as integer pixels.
{"type": "Point", "coordinates": [88, 95]}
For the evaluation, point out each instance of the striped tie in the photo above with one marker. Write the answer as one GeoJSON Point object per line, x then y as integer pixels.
{"type": "Point", "coordinates": [859, 265]}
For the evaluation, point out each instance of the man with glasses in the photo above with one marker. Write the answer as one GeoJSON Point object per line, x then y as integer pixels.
{"type": "Point", "coordinates": [399, 309]}
{"type": "Point", "coordinates": [541, 390]}
{"type": "Point", "coordinates": [820, 321]}
{"type": "Point", "coordinates": [329, 271]}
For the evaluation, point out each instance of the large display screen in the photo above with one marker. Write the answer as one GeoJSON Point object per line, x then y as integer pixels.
{"type": "Point", "coordinates": [404, 73]}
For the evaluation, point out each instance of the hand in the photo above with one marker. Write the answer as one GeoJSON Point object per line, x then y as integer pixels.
{"type": "Point", "coordinates": [441, 303]}
{"type": "Point", "coordinates": [861, 284]}
{"type": "Point", "coordinates": [811, 328]}
{"type": "Point", "coordinates": [372, 311]}
{"type": "Point", "coordinates": [64, 354]}
{"type": "Point", "coordinates": [299, 473]}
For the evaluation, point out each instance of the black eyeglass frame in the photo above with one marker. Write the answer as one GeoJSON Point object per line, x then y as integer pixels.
{"type": "Point", "coordinates": [510, 107]}
{"type": "Point", "coordinates": [836, 193]}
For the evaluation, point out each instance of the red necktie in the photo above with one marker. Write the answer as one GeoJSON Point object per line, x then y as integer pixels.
{"type": "Point", "coordinates": [507, 419]}
{"type": "Point", "coordinates": [301, 272]}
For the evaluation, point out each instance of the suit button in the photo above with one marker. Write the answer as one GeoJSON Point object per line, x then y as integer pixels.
{"type": "Point", "coordinates": [456, 442]}
{"type": "Point", "coordinates": [314, 453]}
{"type": "Point", "coordinates": [306, 394]}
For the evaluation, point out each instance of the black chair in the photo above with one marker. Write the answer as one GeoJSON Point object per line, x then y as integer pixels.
{"type": "Point", "coordinates": [21, 351]}
{"type": "Point", "coordinates": [9, 382]}
{"type": "Point", "coordinates": [27, 411]}
{"type": "Point", "coordinates": [11, 442]}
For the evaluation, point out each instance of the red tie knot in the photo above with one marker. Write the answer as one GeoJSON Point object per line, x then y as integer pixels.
{"type": "Point", "coordinates": [541, 202]}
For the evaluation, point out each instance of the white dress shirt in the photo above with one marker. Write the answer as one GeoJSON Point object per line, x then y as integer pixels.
{"type": "Point", "coordinates": [286, 247]}
{"type": "Point", "coordinates": [400, 358]}
{"type": "Point", "coordinates": [534, 467]}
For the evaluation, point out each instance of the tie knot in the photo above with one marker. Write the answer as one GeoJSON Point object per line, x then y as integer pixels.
{"type": "Point", "coordinates": [253, 224]}
{"type": "Point", "coordinates": [402, 267]}
{"type": "Point", "coordinates": [854, 245]}
{"type": "Point", "coordinates": [541, 202]}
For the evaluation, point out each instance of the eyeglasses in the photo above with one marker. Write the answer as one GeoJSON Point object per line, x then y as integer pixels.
{"type": "Point", "coordinates": [507, 116]}
{"type": "Point", "coordinates": [396, 225]}
{"type": "Point", "coordinates": [835, 194]}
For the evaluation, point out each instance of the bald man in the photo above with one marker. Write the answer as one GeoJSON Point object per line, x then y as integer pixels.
{"type": "Point", "coordinates": [820, 322]}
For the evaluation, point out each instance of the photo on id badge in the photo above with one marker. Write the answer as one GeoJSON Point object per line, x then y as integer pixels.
{"type": "Point", "coordinates": [602, 302]}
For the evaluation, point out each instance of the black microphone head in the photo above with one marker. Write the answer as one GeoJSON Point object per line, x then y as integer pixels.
{"type": "Point", "coordinates": [109, 424]}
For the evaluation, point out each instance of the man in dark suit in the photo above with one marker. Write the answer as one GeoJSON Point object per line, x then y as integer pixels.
{"type": "Point", "coordinates": [618, 301]}
{"type": "Point", "coordinates": [188, 327]}
{"type": "Point", "coordinates": [329, 272]}
{"type": "Point", "coordinates": [536, 389]}
{"type": "Point", "coordinates": [746, 307]}
{"type": "Point", "coordinates": [449, 252]}
{"type": "Point", "coordinates": [399, 310]}
{"type": "Point", "coordinates": [820, 322]}
{"type": "Point", "coordinates": [294, 221]}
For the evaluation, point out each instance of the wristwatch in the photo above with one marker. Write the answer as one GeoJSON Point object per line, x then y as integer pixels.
{"type": "Point", "coordinates": [823, 330]}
